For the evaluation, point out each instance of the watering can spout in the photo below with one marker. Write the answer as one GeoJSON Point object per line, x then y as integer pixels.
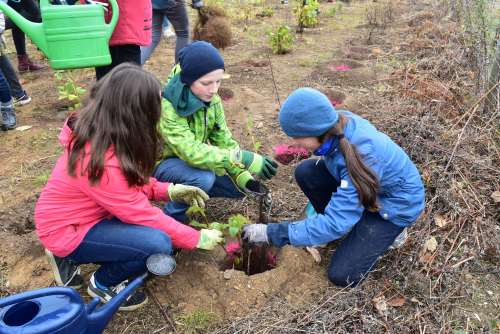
{"type": "Point", "coordinates": [34, 30]}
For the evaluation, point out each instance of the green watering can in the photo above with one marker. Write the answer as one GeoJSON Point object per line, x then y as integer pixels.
{"type": "Point", "coordinates": [70, 36]}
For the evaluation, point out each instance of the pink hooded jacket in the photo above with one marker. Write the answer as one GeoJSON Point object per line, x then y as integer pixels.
{"type": "Point", "coordinates": [68, 207]}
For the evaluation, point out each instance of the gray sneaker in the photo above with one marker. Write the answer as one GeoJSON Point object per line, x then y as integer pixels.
{"type": "Point", "coordinates": [400, 240]}
{"type": "Point", "coordinates": [9, 119]}
{"type": "Point", "coordinates": [134, 301]}
{"type": "Point", "coordinates": [66, 273]}
{"type": "Point", "coordinates": [19, 101]}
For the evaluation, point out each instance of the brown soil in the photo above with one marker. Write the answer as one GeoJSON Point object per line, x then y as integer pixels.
{"type": "Point", "coordinates": [358, 73]}
{"type": "Point", "coordinates": [357, 53]}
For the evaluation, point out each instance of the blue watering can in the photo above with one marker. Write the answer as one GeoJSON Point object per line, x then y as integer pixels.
{"type": "Point", "coordinates": [61, 310]}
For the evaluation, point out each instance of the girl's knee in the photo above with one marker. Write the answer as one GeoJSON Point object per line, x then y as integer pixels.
{"type": "Point", "coordinates": [303, 170]}
{"type": "Point", "coordinates": [203, 180]}
{"type": "Point", "coordinates": [159, 243]}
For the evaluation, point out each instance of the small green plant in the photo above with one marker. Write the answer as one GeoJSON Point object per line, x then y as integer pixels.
{"type": "Point", "coordinates": [267, 12]}
{"type": "Point", "coordinates": [200, 319]}
{"type": "Point", "coordinates": [68, 89]}
{"type": "Point", "coordinates": [234, 225]}
{"type": "Point", "coordinates": [42, 179]}
{"type": "Point", "coordinates": [281, 39]}
{"type": "Point", "coordinates": [306, 14]}
{"type": "Point", "coordinates": [256, 145]}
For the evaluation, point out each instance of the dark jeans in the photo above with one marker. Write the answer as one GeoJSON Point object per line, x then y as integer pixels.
{"type": "Point", "coordinates": [11, 76]}
{"type": "Point", "coordinates": [121, 249]}
{"type": "Point", "coordinates": [177, 171]}
{"type": "Point", "coordinates": [30, 11]}
{"type": "Point", "coordinates": [4, 89]}
{"type": "Point", "coordinates": [120, 54]}
{"type": "Point", "coordinates": [178, 17]}
{"type": "Point", "coordinates": [369, 238]}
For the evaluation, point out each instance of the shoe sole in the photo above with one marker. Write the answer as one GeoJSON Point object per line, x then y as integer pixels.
{"type": "Point", "coordinates": [26, 71]}
{"type": "Point", "coordinates": [55, 271]}
{"type": "Point", "coordinates": [121, 308]}
{"type": "Point", "coordinates": [20, 103]}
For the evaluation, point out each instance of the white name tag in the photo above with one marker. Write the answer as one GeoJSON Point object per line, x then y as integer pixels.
{"type": "Point", "coordinates": [343, 184]}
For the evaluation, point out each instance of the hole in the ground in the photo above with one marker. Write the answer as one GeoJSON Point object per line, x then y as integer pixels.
{"type": "Point", "coordinates": [225, 94]}
{"type": "Point", "coordinates": [285, 154]}
{"type": "Point", "coordinates": [336, 98]}
{"type": "Point", "coordinates": [261, 259]}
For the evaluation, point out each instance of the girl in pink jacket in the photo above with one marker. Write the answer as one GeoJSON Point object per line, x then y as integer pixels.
{"type": "Point", "coordinates": [95, 207]}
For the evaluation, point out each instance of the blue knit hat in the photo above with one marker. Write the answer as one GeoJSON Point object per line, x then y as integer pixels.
{"type": "Point", "coordinates": [307, 113]}
{"type": "Point", "coordinates": [197, 59]}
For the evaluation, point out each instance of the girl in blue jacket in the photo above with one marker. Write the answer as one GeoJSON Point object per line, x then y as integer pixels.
{"type": "Point", "coordinates": [364, 183]}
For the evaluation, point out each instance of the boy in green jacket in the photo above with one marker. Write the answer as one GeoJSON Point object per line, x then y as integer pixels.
{"type": "Point", "coordinates": [199, 149]}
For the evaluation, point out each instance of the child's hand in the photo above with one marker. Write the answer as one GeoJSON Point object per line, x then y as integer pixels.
{"type": "Point", "coordinates": [256, 234]}
{"type": "Point", "coordinates": [209, 239]}
{"type": "Point", "coordinates": [191, 195]}
{"type": "Point", "coordinates": [259, 164]}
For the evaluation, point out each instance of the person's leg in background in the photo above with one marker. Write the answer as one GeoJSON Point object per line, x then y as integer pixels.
{"type": "Point", "coordinates": [122, 251]}
{"type": "Point", "coordinates": [167, 32]}
{"type": "Point", "coordinates": [18, 94]}
{"type": "Point", "coordinates": [30, 11]}
{"type": "Point", "coordinates": [359, 252]}
{"type": "Point", "coordinates": [9, 119]}
{"type": "Point", "coordinates": [176, 171]}
{"type": "Point", "coordinates": [178, 17]}
{"type": "Point", "coordinates": [120, 54]}
{"type": "Point", "coordinates": [156, 29]}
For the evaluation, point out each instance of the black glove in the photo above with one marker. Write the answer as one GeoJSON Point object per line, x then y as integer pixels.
{"type": "Point", "coordinates": [255, 190]}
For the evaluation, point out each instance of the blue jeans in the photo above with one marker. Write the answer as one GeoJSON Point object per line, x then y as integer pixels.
{"type": "Point", "coordinates": [369, 238]}
{"type": "Point", "coordinates": [178, 17]}
{"type": "Point", "coordinates": [176, 171]}
{"type": "Point", "coordinates": [121, 249]}
{"type": "Point", "coordinates": [5, 96]}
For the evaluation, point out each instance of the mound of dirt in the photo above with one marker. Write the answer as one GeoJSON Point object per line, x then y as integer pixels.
{"type": "Point", "coordinates": [342, 72]}
{"type": "Point", "coordinates": [357, 53]}
{"type": "Point", "coordinates": [212, 26]}
{"type": "Point", "coordinates": [340, 100]}
{"type": "Point", "coordinates": [199, 282]}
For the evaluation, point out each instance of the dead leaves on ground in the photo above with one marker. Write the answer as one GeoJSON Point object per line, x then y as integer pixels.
{"type": "Point", "coordinates": [496, 196]}
{"type": "Point", "coordinates": [430, 245]}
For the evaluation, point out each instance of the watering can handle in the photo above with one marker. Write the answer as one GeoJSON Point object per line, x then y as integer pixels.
{"type": "Point", "coordinates": [111, 26]}
{"type": "Point", "coordinates": [59, 290]}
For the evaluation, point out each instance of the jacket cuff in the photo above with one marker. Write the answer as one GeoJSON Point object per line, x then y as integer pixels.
{"type": "Point", "coordinates": [277, 234]}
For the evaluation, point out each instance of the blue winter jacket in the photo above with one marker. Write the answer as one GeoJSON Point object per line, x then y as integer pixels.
{"type": "Point", "coordinates": [401, 196]}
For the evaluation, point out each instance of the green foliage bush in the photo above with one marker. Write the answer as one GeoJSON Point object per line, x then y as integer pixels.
{"type": "Point", "coordinates": [282, 39]}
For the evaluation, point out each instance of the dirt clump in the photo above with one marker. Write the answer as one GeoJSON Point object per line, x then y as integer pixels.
{"type": "Point", "coordinates": [343, 72]}
{"type": "Point", "coordinates": [212, 26]}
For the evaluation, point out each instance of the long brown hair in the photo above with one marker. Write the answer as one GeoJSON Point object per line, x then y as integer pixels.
{"type": "Point", "coordinates": [123, 110]}
{"type": "Point", "coordinates": [364, 178]}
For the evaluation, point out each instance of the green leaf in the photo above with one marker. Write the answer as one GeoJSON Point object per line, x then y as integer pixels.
{"type": "Point", "coordinates": [233, 231]}
{"type": "Point", "coordinates": [60, 88]}
{"type": "Point", "coordinates": [69, 87]}
{"type": "Point", "coordinates": [63, 96]}
{"type": "Point", "coordinates": [80, 90]}
{"type": "Point", "coordinates": [237, 260]}
{"type": "Point", "coordinates": [196, 224]}
{"type": "Point", "coordinates": [70, 108]}
{"type": "Point", "coordinates": [219, 226]}
{"type": "Point", "coordinates": [232, 222]}
{"type": "Point", "coordinates": [72, 97]}
{"type": "Point", "coordinates": [194, 209]}
{"type": "Point", "coordinates": [241, 220]}
{"type": "Point", "coordinates": [257, 145]}
{"type": "Point", "coordinates": [78, 105]}
{"type": "Point", "coordinates": [249, 123]}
